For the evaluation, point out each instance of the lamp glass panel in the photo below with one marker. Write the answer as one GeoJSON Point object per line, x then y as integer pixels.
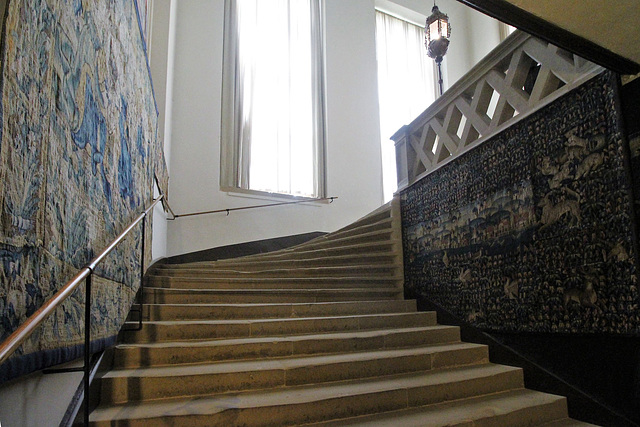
{"type": "Point", "coordinates": [434, 34]}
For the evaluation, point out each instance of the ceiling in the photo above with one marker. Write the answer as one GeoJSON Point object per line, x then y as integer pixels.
{"type": "Point", "coordinates": [609, 30]}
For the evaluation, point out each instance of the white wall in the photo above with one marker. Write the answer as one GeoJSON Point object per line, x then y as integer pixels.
{"type": "Point", "coordinates": [161, 56]}
{"type": "Point", "coordinates": [353, 153]}
{"type": "Point", "coordinates": [38, 399]}
{"type": "Point", "coordinates": [473, 34]}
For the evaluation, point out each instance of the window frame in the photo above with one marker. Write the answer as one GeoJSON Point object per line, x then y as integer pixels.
{"type": "Point", "coordinates": [234, 168]}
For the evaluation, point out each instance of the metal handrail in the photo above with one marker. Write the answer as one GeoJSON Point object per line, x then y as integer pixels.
{"type": "Point", "coordinates": [331, 199]}
{"type": "Point", "coordinates": [13, 342]}
{"type": "Point", "coordinates": [17, 338]}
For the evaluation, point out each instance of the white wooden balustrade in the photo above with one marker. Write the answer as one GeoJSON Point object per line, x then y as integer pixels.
{"type": "Point", "coordinates": [518, 77]}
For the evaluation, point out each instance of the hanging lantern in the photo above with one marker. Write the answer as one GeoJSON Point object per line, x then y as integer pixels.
{"type": "Point", "coordinates": [437, 32]}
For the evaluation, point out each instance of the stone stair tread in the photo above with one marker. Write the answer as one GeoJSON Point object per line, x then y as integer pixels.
{"type": "Point", "coordinates": [330, 268]}
{"type": "Point", "coordinates": [177, 311]}
{"type": "Point", "coordinates": [477, 411]}
{"type": "Point", "coordinates": [328, 279]}
{"type": "Point", "coordinates": [293, 395]}
{"type": "Point", "coordinates": [320, 257]}
{"type": "Point", "coordinates": [284, 363]}
{"type": "Point", "coordinates": [292, 338]}
{"type": "Point", "coordinates": [258, 306]}
{"type": "Point", "coordinates": [271, 291]}
{"type": "Point", "coordinates": [288, 319]}
{"type": "Point", "coordinates": [568, 422]}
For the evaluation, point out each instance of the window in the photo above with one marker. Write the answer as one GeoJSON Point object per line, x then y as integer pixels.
{"type": "Point", "coordinates": [273, 106]}
{"type": "Point", "coordinates": [406, 84]}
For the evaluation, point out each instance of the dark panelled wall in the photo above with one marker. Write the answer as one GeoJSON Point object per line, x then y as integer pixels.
{"type": "Point", "coordinates": [531, 237]}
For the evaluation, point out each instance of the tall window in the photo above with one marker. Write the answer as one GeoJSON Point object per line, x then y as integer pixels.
{"type": "Point", "coordinates": [273, 88]}
{"type": "Point", "coordinates": [406, 84]}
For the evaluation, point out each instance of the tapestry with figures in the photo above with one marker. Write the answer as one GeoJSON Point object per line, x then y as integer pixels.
{"type": "Point", "coordinates": [78, 155]}
{"type": "Point", "coordinates": [532, 230]}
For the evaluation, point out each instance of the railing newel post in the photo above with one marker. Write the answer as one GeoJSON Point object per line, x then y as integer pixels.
{"type": "Point", "coordinates": [141, 291]}
{"type": "Point", "coordinates": [87, 345]}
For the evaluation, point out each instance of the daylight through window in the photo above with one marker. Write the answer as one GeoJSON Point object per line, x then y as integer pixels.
{"type": "Point", "coordinates": [273, 109]}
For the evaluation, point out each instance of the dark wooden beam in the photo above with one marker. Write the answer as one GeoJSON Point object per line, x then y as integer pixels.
{"type": "Point", "coordinates": [538, 27]}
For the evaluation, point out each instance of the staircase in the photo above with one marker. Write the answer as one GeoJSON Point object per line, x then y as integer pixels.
{"type": "Point", "coordinates": [318, 334]}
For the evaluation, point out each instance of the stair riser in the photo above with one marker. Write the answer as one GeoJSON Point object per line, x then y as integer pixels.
{"type": "Point", "coordinates": [269, 264]}
{"type": "Point", "coordinates": [120, 390]}
{"type": "Point", "coordinates": [377, 236]}
{"type": "Point", "coordinates": [251, 311]}
{"type": "Point", "coordinates": [530, 416]}
{"type": "Point", "coordinates": [346, 406]}
{"type": "Point", "coordinates": [178, 332]}
{"type": "Point", "coordinates": [132, 357]}
{"type": "Point", "coordinates": [257, 297]}
{"type": "Point", "coordinates": [308, 253]}
{"type": "Point", "coordinates": [272, 283]}
{"type": "Point", "coordinates": [361, 271]}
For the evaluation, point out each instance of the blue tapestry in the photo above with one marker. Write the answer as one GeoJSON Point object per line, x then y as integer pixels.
{"type": "Point", "coordinates": [532, 231]}
{"type": "Point", "coordinates": [78, 155]}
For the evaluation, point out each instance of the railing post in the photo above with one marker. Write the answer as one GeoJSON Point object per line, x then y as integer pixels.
{"type": "Point", "coordinates": [87, 346]}
{"type": "Point", "coordinates": [401, 139]}
{"type": "Point", "coordinates": [144, 226]}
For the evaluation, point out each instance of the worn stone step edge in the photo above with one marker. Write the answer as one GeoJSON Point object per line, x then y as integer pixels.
{"type": "Point", "coordinates": [513, 408]}
{"type": "Point", "coordinates": [211, 329]}
{"type": "Point", "coordinates": [261, 311]}
{"type": "Point", "coordinates": [127, 385]}
{"type": "Point", "coordinates": [226, 295]}
{"type": "Point", "coordinates": [350, 260]}
{"type": "Point", "coordinates": [319, 271]}
{"type": "Point", "coordinates": [172, 353]}
{"type": "Point", "coordinates": [261, 283]}
{"type": "Point", "coordinates": [317, 402]}
{"type": "Point", "coordinates": [341, 281]}
{"type": "Point", "coordinates": [302, 252]}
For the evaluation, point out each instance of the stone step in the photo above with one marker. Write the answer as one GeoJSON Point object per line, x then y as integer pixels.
{"type": "Point", "coordinates": [263, 311]}
{"type": "Point", "coordinates": [304, 252]}
{"type": "Point", "coordinates": [273, 282]}
{"type": "Point", "coordinates": [161, 331]}
{"type": "Point", "coordinates": [567, 422]}
{"type": "Point", "coordinates": [381, 214]}
{"type": "Point", "coordinates": [384, 222]}
{"type": "Point", "coordinates": [315, 403]}
{"type": "Point", "coordinates": [208, 296]}
{"type": "Point", "coordinates": [183, 352]}
{"type": "Point", "coordinates": [514, 408]}
{"type": "Point", "coordinates": [128, 385]}
{"type": "Point", "coordinates": [358, 239]}
{"type": "Point", "coordinates": [320, 260]}
{"type": "Point", "coordinates": [389, 269]}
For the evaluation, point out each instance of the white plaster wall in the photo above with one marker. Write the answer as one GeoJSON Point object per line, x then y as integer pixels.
{"type": "Point", "coordinates": [353, 153]}
{"type": "Point", "coordinates": [473, 34]}
{"type": "Point", "coordinates": [160, 51]}
{"type": "Point", "coordinates": [38, 399]}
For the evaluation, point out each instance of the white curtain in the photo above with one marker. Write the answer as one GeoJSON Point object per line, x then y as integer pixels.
{"type": "Point", "coordinates": [274, 90]}
{"type": "Point", "coordinates": [406, 84]}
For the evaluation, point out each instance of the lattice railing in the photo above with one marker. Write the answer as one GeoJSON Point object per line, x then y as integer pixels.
{"type": "Point", "coordinates": [518, 77]}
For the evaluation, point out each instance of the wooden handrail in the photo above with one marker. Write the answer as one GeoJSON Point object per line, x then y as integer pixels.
{"type": "Point", "coordinates": [13, 342]}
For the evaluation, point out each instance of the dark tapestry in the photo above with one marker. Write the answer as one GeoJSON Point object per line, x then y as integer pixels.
{"type": "Point", "coordinates": [532, 230]}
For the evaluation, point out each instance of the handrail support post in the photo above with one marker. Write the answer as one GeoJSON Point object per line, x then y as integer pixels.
{"type": "Point", "coordinates": [87, 346]}
{"type": "Point", "coordinates": [141, 298]}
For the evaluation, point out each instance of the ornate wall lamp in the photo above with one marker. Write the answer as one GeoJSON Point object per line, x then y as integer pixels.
{"type": "Point", "coordinates": [437, 32]}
